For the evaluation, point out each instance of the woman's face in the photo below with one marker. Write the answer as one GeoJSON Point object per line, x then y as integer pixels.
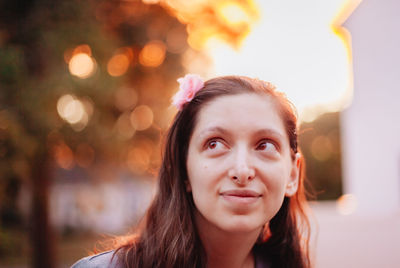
{"type": "Point", "coordinates": [239, 163]}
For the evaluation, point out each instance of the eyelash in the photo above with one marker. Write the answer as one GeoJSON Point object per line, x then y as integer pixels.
{"type": "Point", "coordinates": [218, 140]}
{"type": "Point", "coordinates": [213, 140]}
{"type": "Point", "coordinates": [268, 141]}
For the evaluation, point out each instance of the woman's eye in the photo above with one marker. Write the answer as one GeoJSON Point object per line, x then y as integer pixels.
{"type": "Point", "coordinates": [212, 144]}
{"type": "Point", "coordinates": [215, 145]}
{"type": "Point", "coordinates": [266, 146]}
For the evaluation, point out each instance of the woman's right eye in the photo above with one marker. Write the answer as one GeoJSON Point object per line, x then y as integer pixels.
{"type": "Point", "coordinates": [215, 145]}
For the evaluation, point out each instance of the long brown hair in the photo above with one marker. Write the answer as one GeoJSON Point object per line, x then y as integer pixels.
{"type": "Point", "coordinates": [169, 238]}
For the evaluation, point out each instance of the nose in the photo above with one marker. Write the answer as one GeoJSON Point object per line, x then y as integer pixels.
{"type": "Point", "coordinates": [242, 170]}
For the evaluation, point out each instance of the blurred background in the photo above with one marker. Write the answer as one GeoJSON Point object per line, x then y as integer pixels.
{"type": "Point", "coordinates": [85, 89]}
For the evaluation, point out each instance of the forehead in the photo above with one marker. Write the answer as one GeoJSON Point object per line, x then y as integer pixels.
{"type": "Point", "coordinates": [241, 113]}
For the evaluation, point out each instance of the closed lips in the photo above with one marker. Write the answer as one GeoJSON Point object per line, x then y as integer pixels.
{"type": "Point", "coordinates": [241, 193]}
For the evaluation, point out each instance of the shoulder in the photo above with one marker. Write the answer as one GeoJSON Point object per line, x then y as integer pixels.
{"type": "Point", "coordinates": [105, 259]}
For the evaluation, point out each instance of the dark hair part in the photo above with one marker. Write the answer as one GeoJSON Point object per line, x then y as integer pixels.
{"type": "Point", "coordinates": [169, 237]}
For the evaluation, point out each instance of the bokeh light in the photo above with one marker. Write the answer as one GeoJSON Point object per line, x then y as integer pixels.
{"type": "Point", "coordinates": [63, 156]}
{"type": "Point", "coordinates": [347, 204]}
{"type": "Point", "coordinates": [70, 109]}
{"type": "Point", "coordinates": [84, 48]}
{"type": "Point", "coordinates": [81, 65]}
{"type": "Point", "coordinates": [74, 111]}
{"type": "Point", "coordinates": [119, 63]}
{"type": "Point", "coordinates": [124, 127]}
{"type": "Point", "coordinates": [321, 148]}
{"type": "Point", "coordinates": [152, 54]}
{"type": "Point", "coordinates": [142, 117]}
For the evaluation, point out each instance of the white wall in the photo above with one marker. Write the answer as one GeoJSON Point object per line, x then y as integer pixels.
{"type": "Point", "coordinates": [371, 125]}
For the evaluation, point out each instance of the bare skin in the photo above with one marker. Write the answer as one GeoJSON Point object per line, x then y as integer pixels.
{"type": "Point", "coordinates": [240, 168]}
{"type": "Point", "coordinates": [227, 249]}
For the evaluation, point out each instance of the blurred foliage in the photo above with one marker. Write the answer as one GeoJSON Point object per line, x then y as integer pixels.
{"type": "Point", "coordinates": [87, 84]}
{"type": "Point", "coordinates": [36, 41]}
{"type": "Point", "coordinates": [320, 144]}
{"type": "Point", "coordinates": [228, 20]}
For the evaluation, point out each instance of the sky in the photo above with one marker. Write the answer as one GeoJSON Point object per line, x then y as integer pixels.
{"type": "Point", "coordinates": [299, 47]}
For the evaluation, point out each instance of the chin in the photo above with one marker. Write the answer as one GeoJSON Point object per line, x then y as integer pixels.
{"type": "Point", "coordinates": [244, 225]}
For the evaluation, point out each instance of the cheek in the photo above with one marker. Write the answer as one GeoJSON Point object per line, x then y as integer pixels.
{"type": "Point", "coordinates": [200, 178]}
{"type": "Point", "coordinates": [275, 184]}
{"type": "Point", "coordinates": [275, 178]}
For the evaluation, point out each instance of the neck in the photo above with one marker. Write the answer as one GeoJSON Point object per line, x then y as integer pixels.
{"type": "Point", "coordinates": [227, 249]}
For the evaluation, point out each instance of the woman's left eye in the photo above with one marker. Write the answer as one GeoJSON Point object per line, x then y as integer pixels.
{"type": "Point", "coordinates": [266, 146]}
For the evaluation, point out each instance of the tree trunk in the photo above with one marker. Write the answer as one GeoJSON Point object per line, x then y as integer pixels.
{"type": "Point", "coordinates": [42, 240]}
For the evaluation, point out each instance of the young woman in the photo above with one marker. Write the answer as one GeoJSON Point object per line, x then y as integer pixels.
{"type": "Point", "coordinates": [230, 190]}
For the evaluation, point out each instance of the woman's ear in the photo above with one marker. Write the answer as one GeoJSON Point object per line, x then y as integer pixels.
{"type": "Point", "coordinates": [188, 186]}
{"type": "Point", "coordinates": [293, 183]}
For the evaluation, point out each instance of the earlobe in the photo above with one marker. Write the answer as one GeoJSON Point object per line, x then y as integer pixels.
{"type": "Point", "coordinates": [293, 183]}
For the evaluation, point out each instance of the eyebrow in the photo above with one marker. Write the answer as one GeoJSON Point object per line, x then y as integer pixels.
{"type": "Point", "coordinates": [270, 132]}
{"type": "Point", "coordinates": [213, 129]}
{"type": "Point", "coordinates": [264, 131]}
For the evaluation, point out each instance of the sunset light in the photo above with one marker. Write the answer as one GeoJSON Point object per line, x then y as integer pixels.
{"type": "Point", "coordinates": [233, 14]}
{"type": "Point", "coordinates": [300, 47]}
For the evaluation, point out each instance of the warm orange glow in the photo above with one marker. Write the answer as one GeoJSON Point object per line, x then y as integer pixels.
{"type": "Point", "coordinates": [124, 127]}
{"type": "Point", "coordinates": [64, 156]}
{"type": "Point", "coordinates": [81, 65]}
{"type": "Point", "coordinates": [232, 13]}
{"type": "Point", "coordinates": [84, 48]}
{"type": "Point", "coordinates": [153, 54]}
{"type": "Point", "coordinates": [151, 2]}
{"type": "Point", "coordinates": [198, 36]}
{"type": "Point", "coordinates": [125, 98]}
{"type": "Point", "coordinates": [347, 204]}
{"type": "Point", "coordinates": [142, 117]}
{"type": "Point", "coordinates": [138, 159]}
{"type": "Point", "coordinates": [195, 62]}
{"type": "Point", "coordinates": [321, 148]}
{"type": "Point", "coordinates": [84, 156]}
{"type": "Point", "coordinates": [118, 65]}
{"type": "Point", "coordinates": [285, 38]}
{"type": "Point", "coordinates": [215, 19]}
{"type": "Point", "coordinates": [176, 40]}
{"type": "Point", "coordinates": [139, 156]}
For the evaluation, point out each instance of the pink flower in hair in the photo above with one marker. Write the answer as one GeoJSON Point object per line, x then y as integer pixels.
{"type": "Point", "coordinates": [188, 87]}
